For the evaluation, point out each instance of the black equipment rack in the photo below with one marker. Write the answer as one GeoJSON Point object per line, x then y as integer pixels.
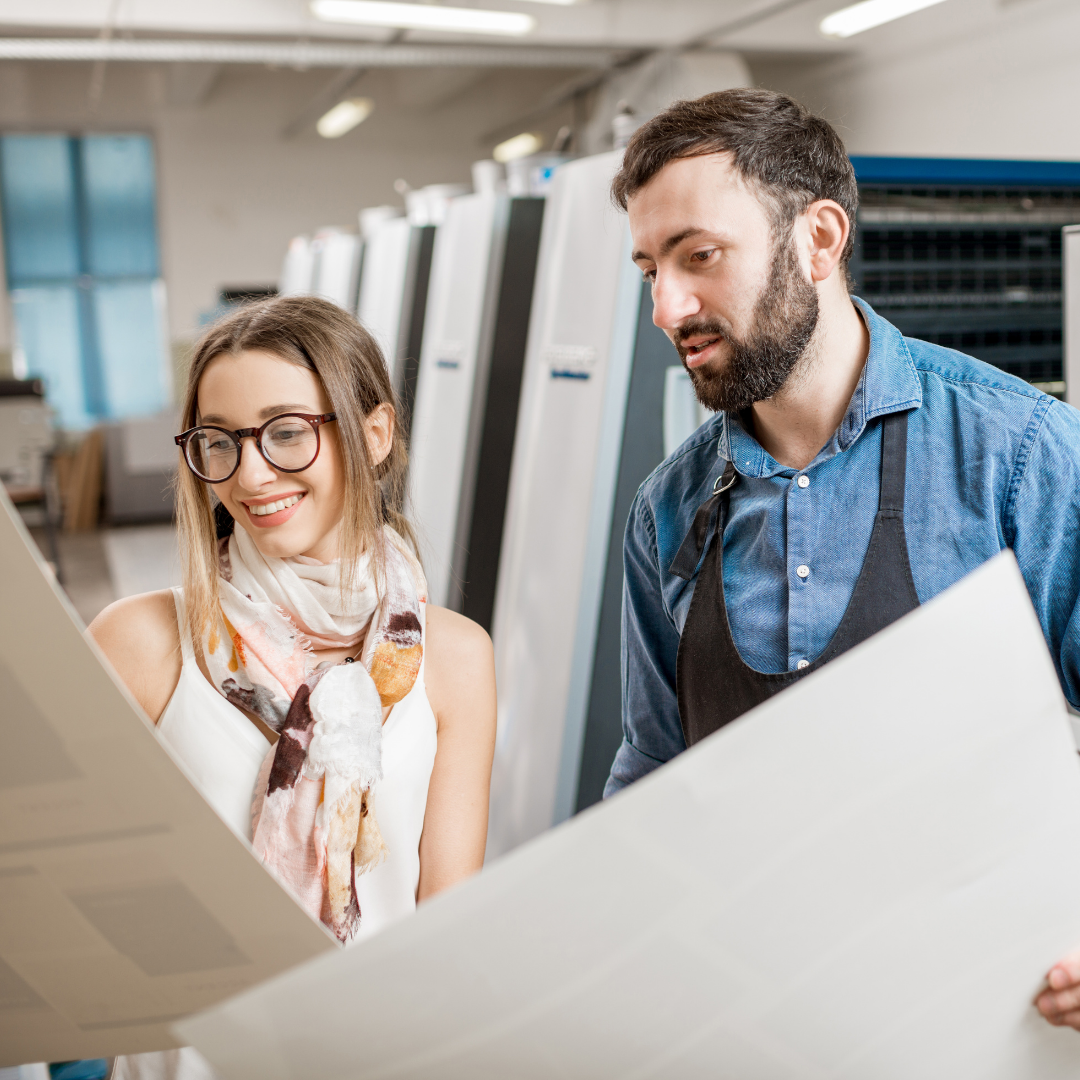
{"type": "Point", "coordinates": [967, 254]}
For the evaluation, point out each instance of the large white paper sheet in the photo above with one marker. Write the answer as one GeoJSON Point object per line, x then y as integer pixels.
{"type": "Point", "coordinates": [865, 878]}
{"type": "Point", "coordinates": [125, 902]}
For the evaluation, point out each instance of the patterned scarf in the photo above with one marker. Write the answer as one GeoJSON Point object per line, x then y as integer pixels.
{"type": "Point", "coordinates": [313, 820]}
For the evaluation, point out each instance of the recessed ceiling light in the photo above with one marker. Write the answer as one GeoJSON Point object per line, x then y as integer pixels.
{"type": "Point", "coordinates": [868, 14]}
{"type": "Point", "coordinates": [344, 116]}
{"type": "Point", "coordinates": [423, 16]}
{"type": "Point", "coordinates": [518, 147]}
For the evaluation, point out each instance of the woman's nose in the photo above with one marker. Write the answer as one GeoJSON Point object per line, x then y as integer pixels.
{"type": "Point", "coordinates": [254, 472]}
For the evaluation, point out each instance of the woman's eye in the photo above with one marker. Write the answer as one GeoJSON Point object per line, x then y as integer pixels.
{"type": "Point", "coordinates": [285, 435]}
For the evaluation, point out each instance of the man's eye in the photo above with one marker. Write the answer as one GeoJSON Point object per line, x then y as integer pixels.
{"type": "Point", "coordinates": [702, 256]}
{"type": "Point", "coordinates": [648, 275]}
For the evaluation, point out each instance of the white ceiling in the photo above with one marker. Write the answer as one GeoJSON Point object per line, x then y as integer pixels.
{"type": "Point", "coordinates": [622, 23]}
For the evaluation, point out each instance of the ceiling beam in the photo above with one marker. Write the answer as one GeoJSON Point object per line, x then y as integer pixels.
{"type": "Point", "coordinates": [301, 54]}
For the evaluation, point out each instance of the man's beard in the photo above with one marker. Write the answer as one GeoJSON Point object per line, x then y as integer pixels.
{"type": "Point", "coordinates": [757, 367]}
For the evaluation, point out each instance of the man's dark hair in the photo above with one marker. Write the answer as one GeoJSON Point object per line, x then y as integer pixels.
{"type": "Point", "coordinates": [789, 156]}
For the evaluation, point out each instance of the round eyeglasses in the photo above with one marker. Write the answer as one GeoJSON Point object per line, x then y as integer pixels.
{"type": "Point", "coordinates": [288, 443]}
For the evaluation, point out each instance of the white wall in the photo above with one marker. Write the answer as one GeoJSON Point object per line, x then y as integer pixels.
{"type": "Point", "coordinates": [984, 78]}
{"type": "Point", "coordinates": [652, 85]}
{"type": "Point", "coordinates": [231, 189]}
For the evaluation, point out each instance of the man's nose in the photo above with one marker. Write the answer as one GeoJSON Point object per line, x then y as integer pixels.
{"type": "Point", "coordinates": [254, 470]}
{"type": "Point", "coordinates": [673, 302]}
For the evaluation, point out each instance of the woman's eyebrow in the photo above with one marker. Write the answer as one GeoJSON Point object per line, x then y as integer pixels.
{"type": "Point", "coordinates": [274, 410]}
{"type": "Point", "coordinates": [263, 414]}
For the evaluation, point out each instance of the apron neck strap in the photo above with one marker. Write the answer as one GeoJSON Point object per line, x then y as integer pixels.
{"type": "Point", "coordinates": [893, 461]}
{"type": "Point", "coordinates": [688, 557]}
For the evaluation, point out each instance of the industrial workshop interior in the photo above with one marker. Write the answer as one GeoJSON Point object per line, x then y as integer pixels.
{"type": "Point", "coordinates": [666, 414]}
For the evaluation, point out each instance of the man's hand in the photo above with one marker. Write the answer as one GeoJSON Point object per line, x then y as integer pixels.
{"type": "Point", "coordinates": [1060, 1004]}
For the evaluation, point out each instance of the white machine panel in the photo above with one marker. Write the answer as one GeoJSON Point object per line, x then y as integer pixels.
{"type": "Point", "coordinates": [384, 287]}
{"type": "Point", "coordinates": [683, 413]}
{"type": "Point", "coordinates": [336, 267]}
{"type": "Point", "coordinates": [297, 269]}
{"type": "Point", "coordinates": [559, 509]}
{"type": "Point", "coordinates": [1070, 251]}
{"type": "Point", "coordinates": [452, 380]}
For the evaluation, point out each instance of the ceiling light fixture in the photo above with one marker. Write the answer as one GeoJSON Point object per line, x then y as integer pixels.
{"type": "Point", "coordinates": [423, 17]}
{"type": "Point", "coordinates": [518, 147]}
{"type": "Point", "coordinates": [344, 116]}
{"type": "Point", "coordinates": [868, 14]}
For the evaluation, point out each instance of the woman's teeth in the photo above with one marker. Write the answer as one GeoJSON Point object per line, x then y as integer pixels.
{"type": "Point", "coordinates": [274, 507]}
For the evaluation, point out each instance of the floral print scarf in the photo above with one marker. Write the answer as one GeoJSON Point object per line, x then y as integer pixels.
{"type": "Point", "coordinates": [313, 817]}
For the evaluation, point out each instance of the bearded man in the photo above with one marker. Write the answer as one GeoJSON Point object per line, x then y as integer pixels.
{"type": "Point", "coordinates": [850, 473]}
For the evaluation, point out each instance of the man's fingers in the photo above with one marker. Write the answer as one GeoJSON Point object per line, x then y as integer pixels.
{"type": "Point", "coordinates": [1052, 1003]}
{"type": "Point", "coordinates": [1069, 1019]}
{"type": "Point", "coordinates": [1065, 972]}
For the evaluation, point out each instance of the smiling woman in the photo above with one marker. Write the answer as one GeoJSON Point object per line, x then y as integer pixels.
{"type": "Point", "coordinates": [322, 707]}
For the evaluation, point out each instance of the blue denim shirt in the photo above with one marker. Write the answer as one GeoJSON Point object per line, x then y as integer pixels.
{"type": "Point", "coordinates": [991, 463]}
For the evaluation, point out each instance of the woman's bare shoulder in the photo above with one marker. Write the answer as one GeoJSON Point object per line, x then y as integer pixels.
{"type": "Point", "coordinates": [140, 637]}
{"type": "Point", "coordinates": [143, 623]}
{"type": "Point", "coordinates": [459, 659]}
{"type": "Point", "coordinates": [454, 639]}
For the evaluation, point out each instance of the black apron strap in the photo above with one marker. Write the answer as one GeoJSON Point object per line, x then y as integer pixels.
{"type": "Point", "coordinates": [893, 461]}
{"type": "Point", "coordinates": [688, 557]}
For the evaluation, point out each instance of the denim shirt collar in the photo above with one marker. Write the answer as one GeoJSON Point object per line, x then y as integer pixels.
{"type": "Point", "coordinates": [889, 383]}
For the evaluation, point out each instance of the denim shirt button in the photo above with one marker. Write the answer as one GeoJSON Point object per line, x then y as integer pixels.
{"type": "Point", "coordinates": [803, 571]}
{"type": "Point", "coordinates": [802, 664]}
{"type": "Point", "coordinates": [804, 481]}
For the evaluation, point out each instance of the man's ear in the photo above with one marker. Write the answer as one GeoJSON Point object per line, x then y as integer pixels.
{"type": "Point", "coordinates": [827, 232]}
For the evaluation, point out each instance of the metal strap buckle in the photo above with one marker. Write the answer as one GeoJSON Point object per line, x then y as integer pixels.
{"type": "Point", "coordinates": [718, 490]}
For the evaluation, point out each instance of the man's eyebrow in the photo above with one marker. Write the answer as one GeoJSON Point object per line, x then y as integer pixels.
{"type": "Point", "coordinates": [670, 243]}
{"type": "Point", "coordinates": [263, 414]}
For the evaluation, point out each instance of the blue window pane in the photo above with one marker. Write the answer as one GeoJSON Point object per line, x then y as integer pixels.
{"type": "Point", "coordinates": [118, 192]}
{"type": "Point", "coordinates": [47, 323]}
{"type": "Point", "coordinates": [40, 223]}
{"type": "Point", "coordinates": [131, 344]}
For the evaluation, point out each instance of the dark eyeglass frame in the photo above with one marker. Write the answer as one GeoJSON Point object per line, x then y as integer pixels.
{"type": "Point", "coordinates": [184, 438]}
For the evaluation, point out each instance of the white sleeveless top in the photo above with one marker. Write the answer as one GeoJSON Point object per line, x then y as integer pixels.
{"type": "Point", "coordinates": [223, 751]}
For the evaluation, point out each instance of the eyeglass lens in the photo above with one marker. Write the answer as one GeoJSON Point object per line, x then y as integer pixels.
{"type": "Point", "coordinates": [289, 443]}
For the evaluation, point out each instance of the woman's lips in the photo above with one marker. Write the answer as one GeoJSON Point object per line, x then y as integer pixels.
{"type": "Point", "coordinates": [278, 517]}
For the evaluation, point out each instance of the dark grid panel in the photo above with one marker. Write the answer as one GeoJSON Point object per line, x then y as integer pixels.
{"type": "Point", "coordinates": [972, 268]}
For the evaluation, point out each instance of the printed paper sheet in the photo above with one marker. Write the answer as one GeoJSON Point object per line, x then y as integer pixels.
{"type": "Point", "coordinates": [125, 902]}
{"type": "Point", "coordinates": [868, 876]}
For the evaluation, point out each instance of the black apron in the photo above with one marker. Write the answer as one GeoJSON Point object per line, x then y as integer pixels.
{"type": "Point", "coordinates": [714, 685]}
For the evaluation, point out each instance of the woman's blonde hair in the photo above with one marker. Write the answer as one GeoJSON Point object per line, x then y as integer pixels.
{"type": "Point", "coordinates": [319, 336]}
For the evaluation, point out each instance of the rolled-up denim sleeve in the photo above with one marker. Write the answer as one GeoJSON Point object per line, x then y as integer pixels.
{"type": "Point", "coordinates": [652, 731]}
